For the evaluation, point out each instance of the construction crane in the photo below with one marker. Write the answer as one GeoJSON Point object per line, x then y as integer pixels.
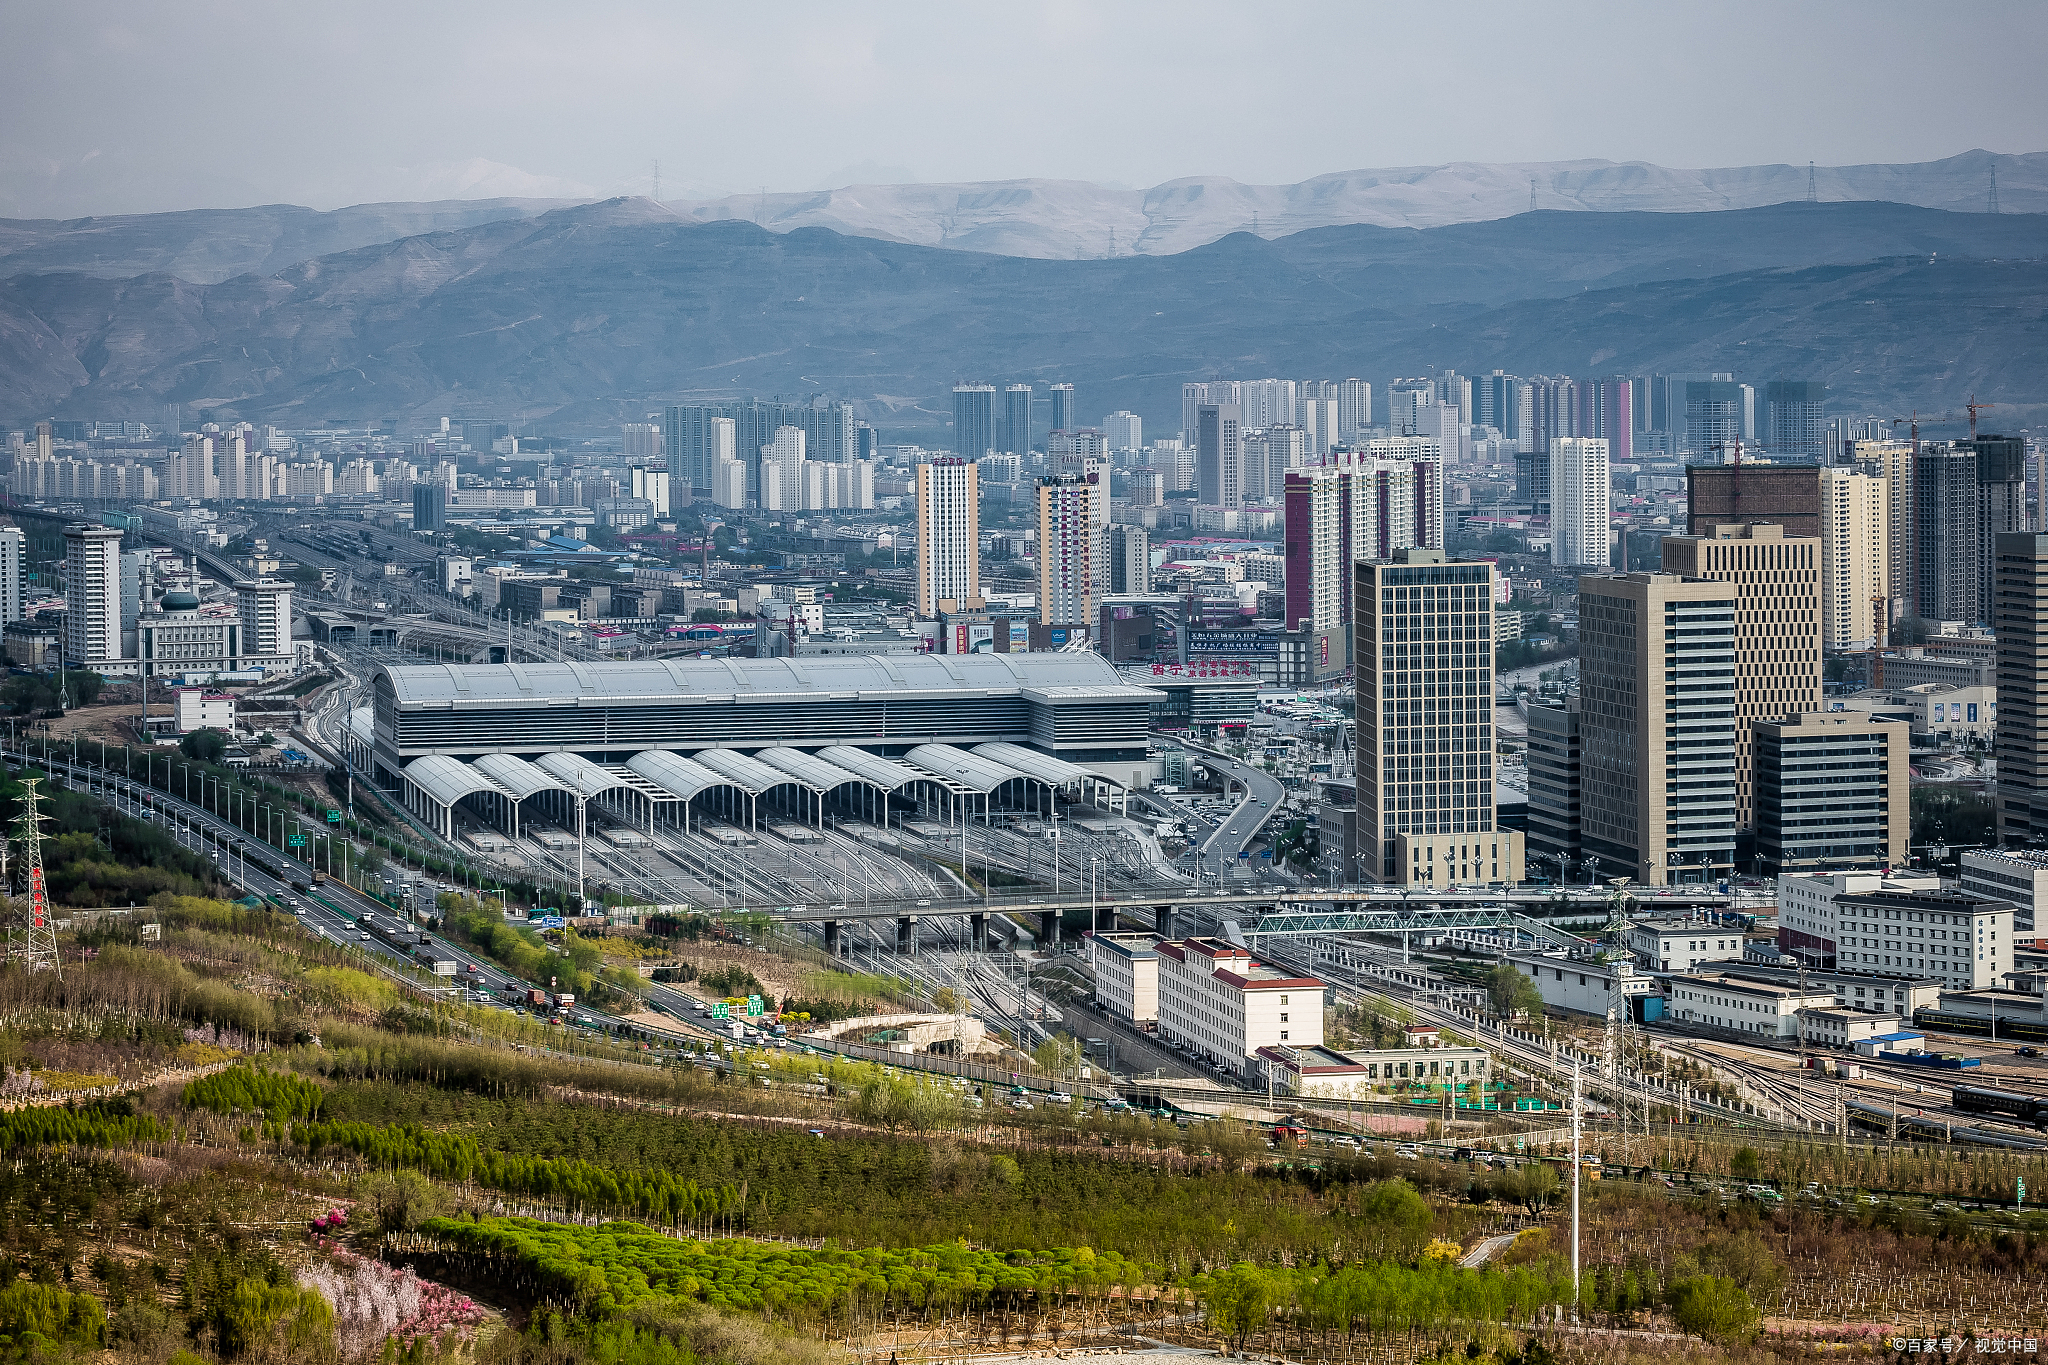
{"type": "Point", "coordinates": [1914, 422]}
{"type": "Point", "coordinates": [1974, 407]}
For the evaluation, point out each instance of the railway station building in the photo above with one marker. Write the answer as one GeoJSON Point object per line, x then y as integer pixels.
{"type": "Point", "coordinates": [679, 742]}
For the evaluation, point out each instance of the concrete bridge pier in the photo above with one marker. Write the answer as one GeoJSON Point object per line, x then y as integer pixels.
{"type": "Point", "coordinates": [906, 935]}
{"type": "Point", "coordinates": [1105, 918]}
{"type": "Point", "coordinates": [833, 947]}
{"type": "Point", "coordinates": [1049, 929]}
{"type": "Point", "coordinates": [979, 925]}
{"type": "Point", "coordinates": [1162, 921]}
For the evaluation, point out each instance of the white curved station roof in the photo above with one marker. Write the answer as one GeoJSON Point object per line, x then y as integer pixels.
{"type": "Point", "coordinates": [684, 778]}
{"type": "Point", "coordinates": [578, 773]}
{"type": "Point", "coordinates": [814, 773]}
{"type": "Point", "coordinates": [749, 775]}
{"type": "Point", "coordinates": [885, 773]}
{"type": "Point", "coordinates": [362, 723]}
{"type": "Point", "coordinates": [1054, 772]}
{"type": "Point", "coordinates": [447, 780]}
{"type": "Point", "coordinates": [970, 770]}
{"type": "Point", "coordinates": [517, 777]}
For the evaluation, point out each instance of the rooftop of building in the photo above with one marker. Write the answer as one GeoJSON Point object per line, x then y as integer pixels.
{"type": "Point", "coordinates": [651, 682]}
{"type": "Point", "coordinates": [1743, 985]}
{"type": "Point", "coordinates": [2020, 856]}
{"type": "Point", "coordinates": [1945, 900]}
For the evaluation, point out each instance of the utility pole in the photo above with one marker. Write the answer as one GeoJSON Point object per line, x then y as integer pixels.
{"type": "Point", "coordinates": [1576, 1134]}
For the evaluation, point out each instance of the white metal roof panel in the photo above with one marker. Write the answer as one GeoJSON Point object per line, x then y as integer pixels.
{"type": "Point", "coordinates": [447, 779]}
{"type": "Point", "coordinates": [664, 682]}
{"type": "Point", "coordinates": [517, 776]}
{"type": "Point", "coordinates": [682, 777]}
{"type": "Point", "coordinates": [813, 772]}
{"type": "Point", "coordinates": [577, 772]}
{"type": "Point", "coordinates": [1053, 771]}
{"type": "Point", "coordinates": [885, 773]}
{"type": "Point", "coordinates": [749, 775]}
{"type": "Point", "coordinates": [971, 770]}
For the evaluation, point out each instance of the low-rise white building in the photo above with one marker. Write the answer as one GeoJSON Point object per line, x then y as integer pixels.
{"type": "Point", "coordinates": [1732, 1004]}
{"type": "Point", "coordinates": [2021, 878]}
{"type": "Point", "coordinates": [196, 708]}
{"type": "Point", "coordinates": [1127, 974]}
{"type": "Point", "coordinates": [1833, 1026]}
{"type": "Point", "coordinates": [1961, 940]}
{"type": "Point", "coordinates": [1583, 986]}
{"type": "Point", "coordinates": [1679, 943]}
{"type": "Point", "coordinates": [1806, 908]}
{"type": "Point", "coordinates": [1225, 1005]}
{"type": "Point", "coordinates": [1323, 1073]}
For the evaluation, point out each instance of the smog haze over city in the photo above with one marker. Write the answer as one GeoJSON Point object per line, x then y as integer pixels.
{"type": "Point", "coordinates": [839, 683]}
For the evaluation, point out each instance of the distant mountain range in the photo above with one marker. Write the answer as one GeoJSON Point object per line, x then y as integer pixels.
{"type": "Point", "coordinates": [597, 311]}
{"type": "Point", "coordinates": [1047, 219]}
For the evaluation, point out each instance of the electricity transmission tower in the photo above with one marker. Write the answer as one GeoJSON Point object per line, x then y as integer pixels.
{"type": "Point", "coordinates": [34, 942]}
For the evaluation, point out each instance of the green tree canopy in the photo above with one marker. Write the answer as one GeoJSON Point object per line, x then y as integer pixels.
{"type": "Point", "coordinates": [204, 746]}
{"type": "Point", "coordinates": [1715, 1308]}
{"type": "Point", "coordinates": [1511, 993]}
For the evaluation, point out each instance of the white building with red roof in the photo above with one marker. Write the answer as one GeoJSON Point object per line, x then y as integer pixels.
{"type": "Point", "coordinates": [1219, 1000]}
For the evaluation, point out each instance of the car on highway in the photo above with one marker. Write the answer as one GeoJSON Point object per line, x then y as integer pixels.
{"type": "Point", "coordinates": [1020, 1104]}
{"type": "Point", "coordinates": [1060, 1097]}
{"type": "Point", "coordinates": [1407, 1154]}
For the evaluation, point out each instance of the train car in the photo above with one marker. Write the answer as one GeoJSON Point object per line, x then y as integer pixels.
{"type": "Point", "coordinates": [1977, 1099]}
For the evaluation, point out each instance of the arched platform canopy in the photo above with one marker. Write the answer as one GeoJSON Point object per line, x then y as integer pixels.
{"type": "Point", "coordinates": [517, 776]}
{"type": "Point", "coordinates": [982, 776]}
{"type": "Point", "coordinates": [521, 781]}
{"type": "Point", "coordinates": [814, 775]}
{"type": "Point", "coordinates": [750, 775]}
{"type": "Point", "coordinates": [884, 773]}
{"type": "Point", "coordinates": [677, 781]}
{"type": "Point", "coordinates": [578, 773]}
{"type": "Point", "coordinates": [683, 777]}
{"type": "Point", "coordinates": [1057, 772]}
{"type": "Point", "coordinates": [811, 771]}
{"type": "Point", "coordinates": [628, 796]}
{"type": "Point", "coordinates": [435, 782]}
{"type": "Point", "coordinates": [977, 774]}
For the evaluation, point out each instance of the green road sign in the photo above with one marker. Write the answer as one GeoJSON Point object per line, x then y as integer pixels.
{"type": "Point", "coordinates": [721, 1010]}
{"type": "Point", "coordinates": [296, 840]}
{"type": "Point", "coordinates": [334, 817]}
{"type": "Point", "coordinates": [753, 1007]}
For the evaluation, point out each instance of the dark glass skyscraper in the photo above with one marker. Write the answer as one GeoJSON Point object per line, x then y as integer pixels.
{"type": "Point", "coordinates": [1061, 399]}
{"type": "Point", "coordinates": [974, 420]}
{"type": "Point", "coordinates": [1015, 436]}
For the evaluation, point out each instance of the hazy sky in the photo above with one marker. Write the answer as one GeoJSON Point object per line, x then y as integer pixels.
{"type": "Point", "coordinates": [124, 107]}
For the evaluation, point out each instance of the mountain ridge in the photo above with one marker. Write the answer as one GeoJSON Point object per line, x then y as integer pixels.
{"type": "Point", "coordinates": [1039, 218]}
{"type": "Point", "coordinates": [618, 302]}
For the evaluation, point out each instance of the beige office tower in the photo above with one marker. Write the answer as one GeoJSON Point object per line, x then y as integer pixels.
{"type": "Point", "coordinates": [92, 595]}
{"type": "Point", "coordinates": [1777, 583]}
{"type": "Point", "coordinates": [1856, 556]}
{"type": "Point", "coordinates": [1068, 541]}
{"type": "Point", "coordinates": [1891, 462]}
{"type": "Point", "coordinates": [948, 536]}
{"type": "Point", "coordinates": [1422, 653]}
{"type": "Point", "coordinates": [265, 606]}
{"type": "Point", "coordinates": [1657, 727]}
